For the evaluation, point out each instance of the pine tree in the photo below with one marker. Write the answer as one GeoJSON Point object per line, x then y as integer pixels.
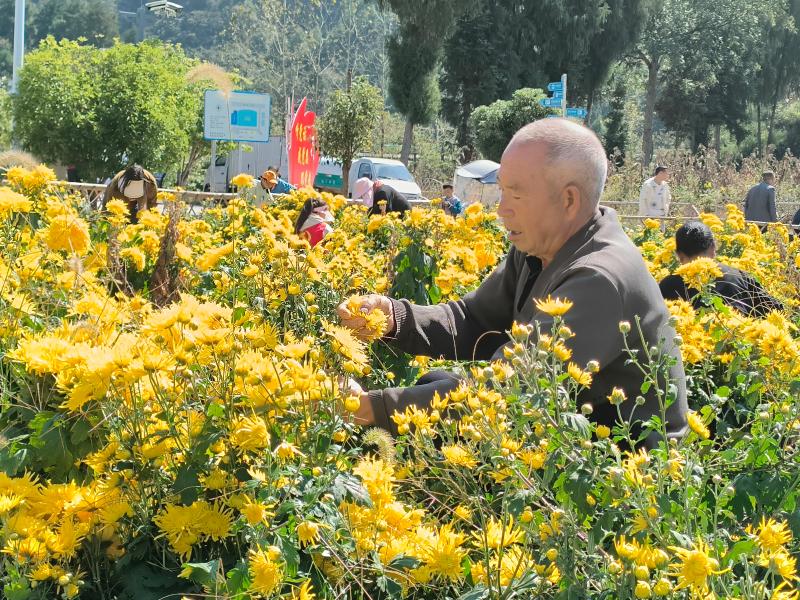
{"type": "Point", "coordinates": [616, 137]}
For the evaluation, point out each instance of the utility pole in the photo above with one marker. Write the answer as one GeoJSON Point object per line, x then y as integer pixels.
{"type": "Point", "coordinates": [19, 42]}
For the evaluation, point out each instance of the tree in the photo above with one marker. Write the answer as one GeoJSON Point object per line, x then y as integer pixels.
{"type": "Point", "coordinates": [95, 20]}
{"type": "Point", "coordinates": [494, 125]}
{"type": "Point", "coordinates": [502, 45]}
{"type": "Point", "coordinates": [413, 57]}
{"type": "Point", "coordinates": [470, 74]}
{"type": "Point", "coordinates": [413, 85]}
{"type": "Point", "coordinates": [692, 35]}
{"type": "Point", "coordinates": [621, 28]}
{"type": "Point", "coordinates": [778, 57]}
{"type": "Point", "coordinates": [348, 123]}
{"type": "Point", "coordinates": [5, 120]}
{"type": "Point", "coordinates": [304, 48]}
{"type": "Point", "coordinates": [102, 109]}
{"type": "Point", "coordinates": [616, 137]}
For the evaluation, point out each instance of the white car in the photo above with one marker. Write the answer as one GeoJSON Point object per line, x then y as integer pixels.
{"type": "Point", "coordinates": [392, 172]}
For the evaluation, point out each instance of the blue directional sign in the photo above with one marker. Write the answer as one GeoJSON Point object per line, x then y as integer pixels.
{"type": "Point", "coordinates": [576, 112]}
{"type": "Point", "coordinates": [556, 86]}
{"type": "Point", "coordinates": [558, 95]}
{"type": "Point", "coordinates": [550, 102]}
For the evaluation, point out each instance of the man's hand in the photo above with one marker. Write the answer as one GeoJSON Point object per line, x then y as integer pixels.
{"type": "Point", "coordinates": [363, 415]}
{"type": "Point", "coordinates": [354, 319]}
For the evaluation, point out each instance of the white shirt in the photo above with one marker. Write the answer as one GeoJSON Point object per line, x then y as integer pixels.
{"type": "Point", "coordinates": [654, 199]}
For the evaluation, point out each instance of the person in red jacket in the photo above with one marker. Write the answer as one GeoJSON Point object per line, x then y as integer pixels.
{"type": "Point", "coordinates": [314, 221]}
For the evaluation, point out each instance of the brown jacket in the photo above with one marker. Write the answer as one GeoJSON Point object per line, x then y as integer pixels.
{"type": "Point", "coordinates": [601, 271]}
{"type": "Point", "coordinates": [150, 192]}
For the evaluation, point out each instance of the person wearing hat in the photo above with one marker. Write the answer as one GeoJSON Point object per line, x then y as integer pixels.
{"type": "Point", "coordinates": [134, 185]}
{"type": "Point", "coordinates": [371, 194]}
{"type": "Point", "coordinates": [274, 184]}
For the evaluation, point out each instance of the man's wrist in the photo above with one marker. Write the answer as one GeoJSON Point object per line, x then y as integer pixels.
{"type": "Point", "coordinates": [365, 415]}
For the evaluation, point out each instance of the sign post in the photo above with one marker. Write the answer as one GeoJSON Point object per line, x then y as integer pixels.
{"type": "Point", "coordinates": [558, 100]}
{"type": "Point", "coordinates": [236, 117]}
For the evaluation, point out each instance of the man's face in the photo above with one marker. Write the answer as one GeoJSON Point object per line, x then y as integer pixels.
{"type": "Point", "coordinates": [447, 192]}
{"type": "Point", "coordinates": [662, 177]}
{"type": "Point", "coordinates": [770, 180]}
{"type": "Point", "coordinates": [530, 204]}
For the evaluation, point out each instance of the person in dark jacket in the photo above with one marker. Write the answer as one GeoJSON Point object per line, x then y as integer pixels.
{"type": "Point", "coordinates": [736, 288]}
{"type": "Point", "coordinates": [136, 186]}
{"type": "Point", "coordinates": [565, 245]}
{"type": "Point", "coordinates": [759, 204]}
{"type": "Point", "coordinates": [373, 193]}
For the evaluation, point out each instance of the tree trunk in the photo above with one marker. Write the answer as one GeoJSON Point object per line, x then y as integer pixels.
{"type": "Point", "coordinates": [649, 112]}
{"type": "Point", "coordinates": [758, 129]}
{"type": "Point", "coordinates": [718, 139]}
{"type": "Point", "coordinates": [770, 125]}
{"type": "Point", "coordinates": [194, 156]}
{"type": "Point", "coordinates": [408, 137]}
{"type": "Point", "coordinates": [346, 177]}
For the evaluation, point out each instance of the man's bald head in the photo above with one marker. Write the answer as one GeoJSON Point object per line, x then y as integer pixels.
{"type": "Point", "coordinates": [573, 154]}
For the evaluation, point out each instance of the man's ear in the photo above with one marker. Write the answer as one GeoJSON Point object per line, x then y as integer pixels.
{"type": "Point", "coordinates": [571, 200]}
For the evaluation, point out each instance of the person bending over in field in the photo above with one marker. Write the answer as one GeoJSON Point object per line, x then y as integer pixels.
{"type": "Point", "coordinates": [736, 288]}
{"type": "Point", "coordinates": [136, 186]}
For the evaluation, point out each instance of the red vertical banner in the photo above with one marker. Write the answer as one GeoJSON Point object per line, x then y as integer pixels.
{"type": "Point", "coordinates": [303, 154]}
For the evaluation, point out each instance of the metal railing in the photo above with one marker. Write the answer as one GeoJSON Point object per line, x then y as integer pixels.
{"type": "Point", "coordinates": [93, 193]}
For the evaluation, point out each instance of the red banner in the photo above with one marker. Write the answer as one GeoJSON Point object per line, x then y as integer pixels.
{"type": "Point", "coordinates": [303, 153]}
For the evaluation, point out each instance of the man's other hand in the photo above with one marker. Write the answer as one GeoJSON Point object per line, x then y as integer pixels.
{"type": "Point", "coordinates": [354, 319]}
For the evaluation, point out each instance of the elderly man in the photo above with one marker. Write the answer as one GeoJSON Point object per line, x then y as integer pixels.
{"type": "Point", "coordinates": [564, 245]}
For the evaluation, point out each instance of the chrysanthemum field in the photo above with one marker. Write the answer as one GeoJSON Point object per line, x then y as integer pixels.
{"type": "Point", "coordinates": [175, 421]}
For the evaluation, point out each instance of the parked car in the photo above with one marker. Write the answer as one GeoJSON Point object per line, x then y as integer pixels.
{"type": "Point", "coordinates": [392, 172]}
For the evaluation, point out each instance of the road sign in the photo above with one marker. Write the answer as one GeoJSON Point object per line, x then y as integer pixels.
{"type": "Point", "coordinates": [556, 86]}
{"type": "Point", "coordinates": [576, 112]}
{"type": "Point", "coordinates": [553, 116]}
{"type": "Point", "coordinates": [550, 102]}
{"type": "Point", "coordinates": [557, 95]}
{"type": "Point", "coordinates": [237, 117]}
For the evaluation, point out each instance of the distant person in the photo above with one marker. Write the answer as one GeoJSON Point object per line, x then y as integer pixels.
{"type": "Point", "coordinates": [736, 288]}
{"type": "Point", "coordinates": [136, 186]}
{"type": "Point", "coordinates": [371, 194]}
{"type": "Point", "coordinates": [273, 184]}
{"type": "Point", "coordinates": [655, 195]}
{"type": "Point", "coordinates": [796, 223]}
{"type": "Point", "coordinates": [759, 204]}
{"type": "Point", "coordinates": [314, 221]}
{"type": "Point", "coordinates": [451, 204]}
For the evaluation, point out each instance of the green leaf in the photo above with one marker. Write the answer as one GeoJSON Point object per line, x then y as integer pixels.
{"type": "Point", "coordinates": [740, 548]}
{"type": "Point", "coordinates": [577, 422]}
{"type": "Point", "coordinates": [347, 487]}
{"type": "Point", "coordinates": [186, 484]}
{"type": "Point", "coordinates": [204, 574]}
{"type": "Point", "coordinates": [476, 593]}
{"type": "Point", "coordinates": [403, 562]}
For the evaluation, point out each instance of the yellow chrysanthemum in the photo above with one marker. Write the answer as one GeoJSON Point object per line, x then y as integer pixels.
{"type": "Point", "coordinates": [554, 307]}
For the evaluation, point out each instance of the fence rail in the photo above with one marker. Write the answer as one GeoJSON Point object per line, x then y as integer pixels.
{"type": "Point", "coordinates": [91, 191]}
